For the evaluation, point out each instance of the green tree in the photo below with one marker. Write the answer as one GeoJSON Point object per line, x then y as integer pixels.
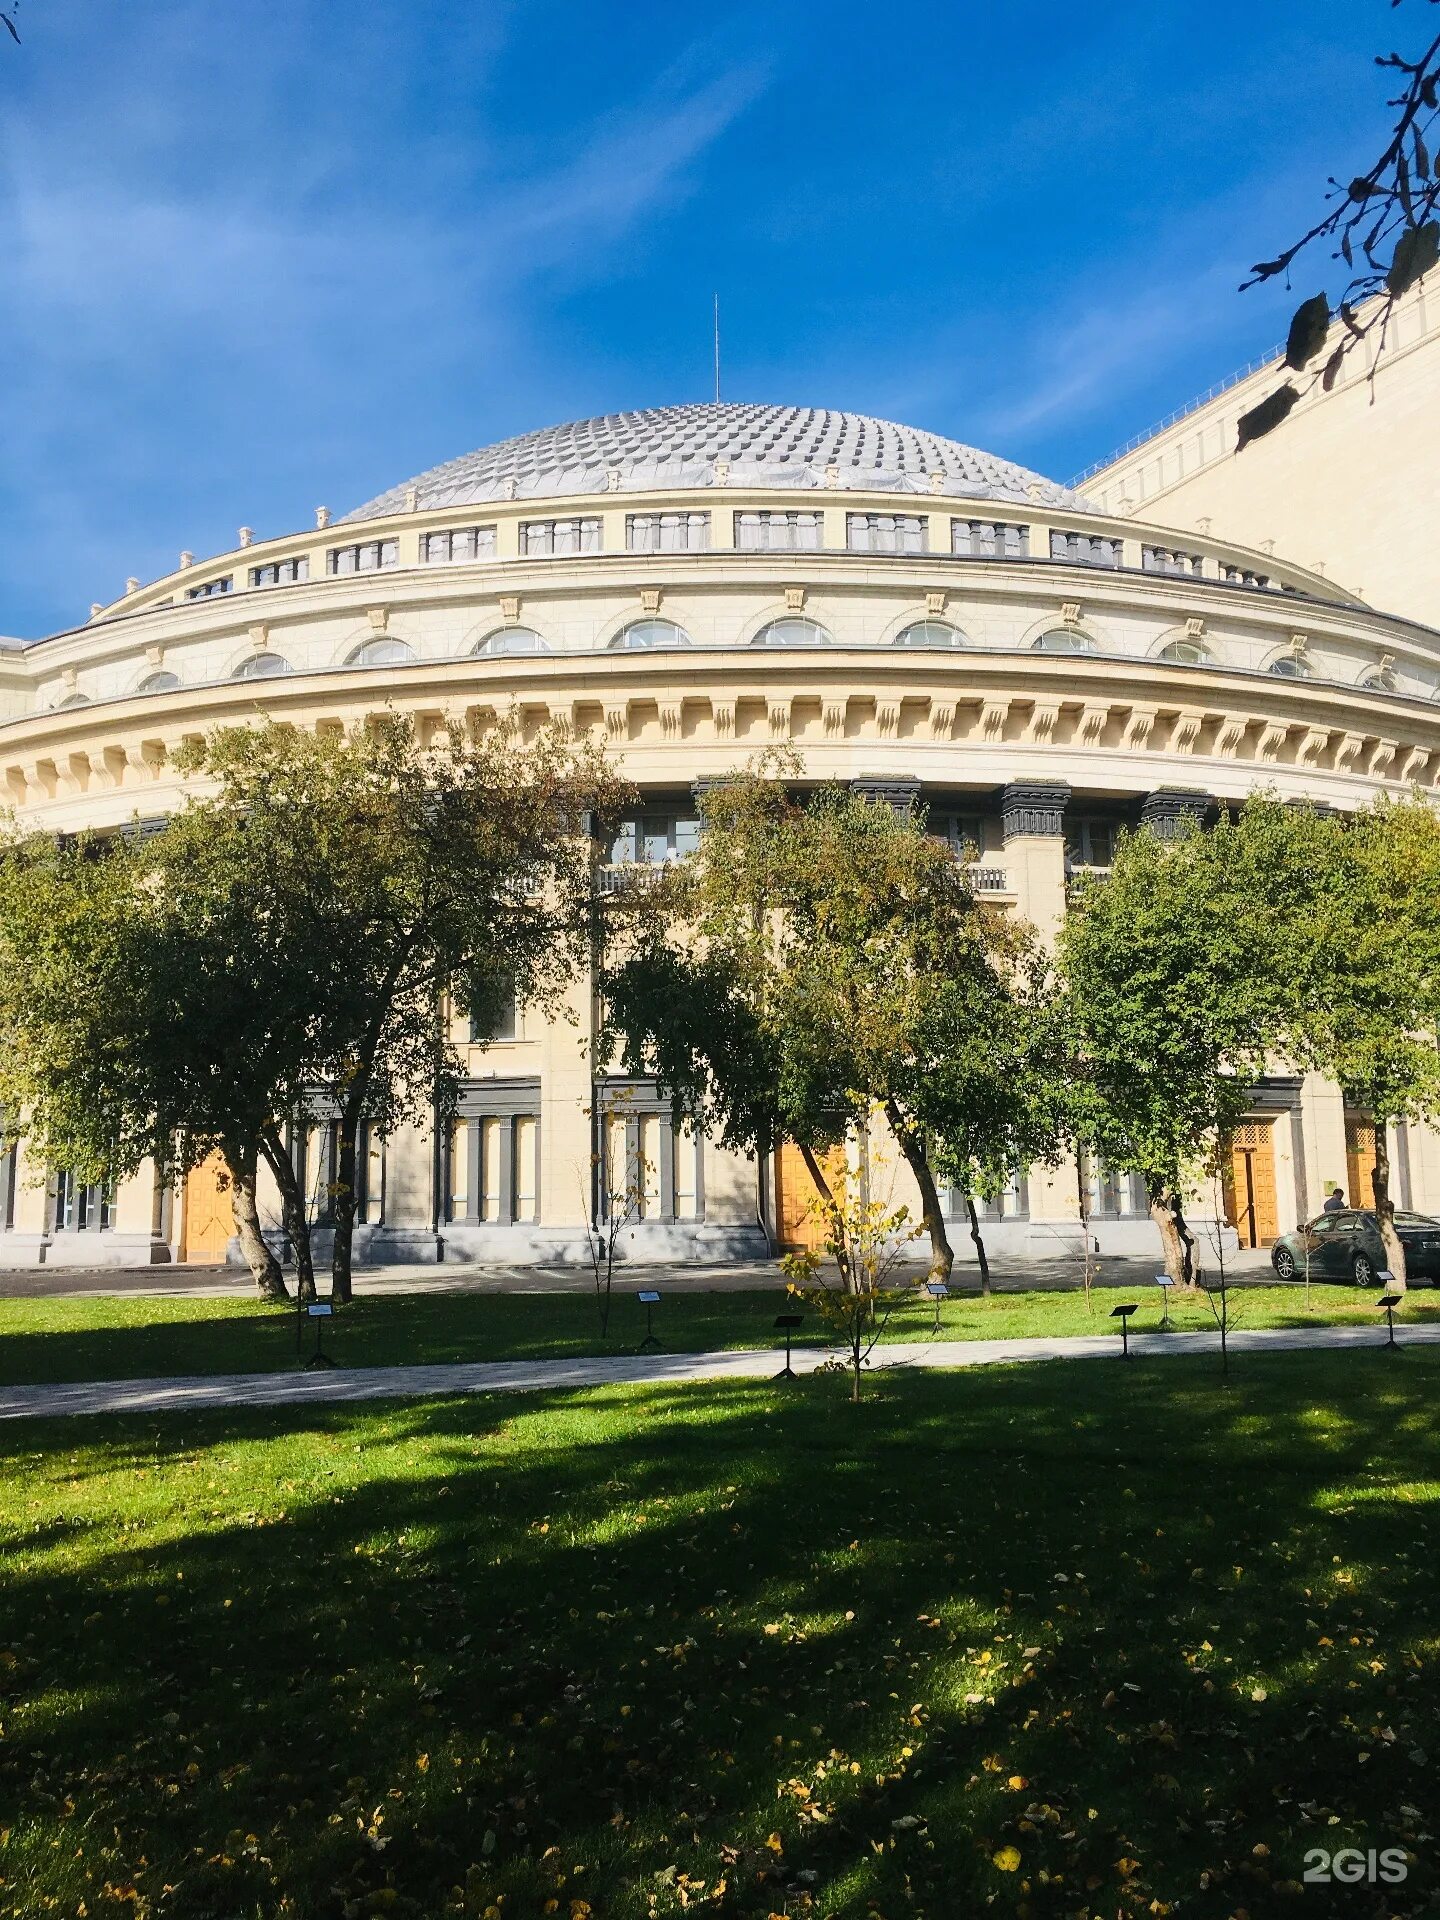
{"type": "Point", "coordinates": [1179, 989]}
{"type": "Point", "coordinates": [1361, 896]}
{"type": "Point", "coordinates": [787, 979]}
{"type": "Point", "coordinates": [406, 868]}
{"type": "Point", "coordinates": [992, 1074]}
{"type": "Point", "coordinates": [147, 1012]}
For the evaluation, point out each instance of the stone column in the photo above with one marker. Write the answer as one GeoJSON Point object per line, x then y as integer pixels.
{"type": "Point", "coordinates": [1033, 821]}
{"type": "Point", "coordinates": [1168, 807]}
{"type": "Point", "coordinates": [900, 794]}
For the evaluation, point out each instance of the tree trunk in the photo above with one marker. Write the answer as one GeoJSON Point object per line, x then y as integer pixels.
{"type": "Point", "coordinates": [1385, 1206]}
{"type": "Point", "coordinates": [292, 1202]}
{"type": "Point", "coordinates": [1176, 1240]}
{"type": "Point", "coordinates": [264, 1267]}
{"type": "Point", "coordinates": [342, 1203]}
{"type": "Point", "coordinates": [979, 1239]}
{"type": "Point", "coordinates": [942, 1256]}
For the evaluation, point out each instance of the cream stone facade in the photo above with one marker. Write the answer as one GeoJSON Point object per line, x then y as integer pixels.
{"type": "Point", "coordinates": [1346, 485]}
{"type": "Point", "coordinates": [918, 619]}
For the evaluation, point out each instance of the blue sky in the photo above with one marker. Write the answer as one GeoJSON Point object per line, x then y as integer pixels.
{"type": "Point", "coordinates": [255, 257]}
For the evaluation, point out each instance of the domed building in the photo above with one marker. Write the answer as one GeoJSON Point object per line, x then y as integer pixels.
{"type": "Point", "coordinates": [920, 620]}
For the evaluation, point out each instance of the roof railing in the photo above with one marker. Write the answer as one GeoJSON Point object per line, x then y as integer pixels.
{"type": "Point", "coordinates": [1180, 413]}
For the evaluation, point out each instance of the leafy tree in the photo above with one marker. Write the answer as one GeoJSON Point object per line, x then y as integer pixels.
{"type": "Point", "coordinates": [1362, 901]}
{"type": "Point", "coordinates": [850, 1281]}
{"type": "Point", "coordinates": [146, 1012]}
{"type": "Point", "coordinates": [992, 1075]}
{"type": "Point", "coordinates": [1178, 987]}
{"type": "Point", "coordinates": [409, 868]}
{"type": "Point", "coordinates": [1383, 225]}
{"type": "Point", "coordinates": [281, 950]}
{"type": "Point", "coordinates": [812, 962]}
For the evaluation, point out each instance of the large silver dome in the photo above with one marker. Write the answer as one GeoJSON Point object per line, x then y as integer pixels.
{"type": "Point", "coordinates": [675, 447]}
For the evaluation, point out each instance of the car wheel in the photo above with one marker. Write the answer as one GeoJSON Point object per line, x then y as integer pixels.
{"type": "Point", "coordinates": [1364, 1270]}
{"type": "Point", "coordinates": [1284, 1263]}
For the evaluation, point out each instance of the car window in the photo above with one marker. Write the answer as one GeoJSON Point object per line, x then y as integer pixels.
{"type": "Point", "coordinates": [1323, 1223]}
{"type": "Point", "coordinates": [1415, 1220]}
{"type": "Point", "coordinates": [1349, 1222]}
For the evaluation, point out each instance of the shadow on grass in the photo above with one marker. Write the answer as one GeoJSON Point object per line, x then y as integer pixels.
{"type": "Point", "coordinates": [1139, 1629]}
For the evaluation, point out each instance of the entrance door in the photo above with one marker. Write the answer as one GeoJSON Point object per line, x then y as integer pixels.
{"type": "Point", "coordinates": [1249, 1182]}
{"type": "Point", "coordinates": [797, 1224]}
{"type": "Point", "coordinates": [1359, 1161]}
{"type": "Point", "coordinates": [209, 1221]}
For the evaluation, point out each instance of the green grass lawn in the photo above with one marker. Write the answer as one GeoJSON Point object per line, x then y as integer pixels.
{"type": "Point", "coordinates": [1055, 1640]}
{"type": "Point", "coordinates": [119, 1338]}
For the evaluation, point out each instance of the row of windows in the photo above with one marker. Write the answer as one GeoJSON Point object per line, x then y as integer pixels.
{"type": "Point", "coordinates": [795, 630]}
{"type": "Point", "coordinates": [778, 530]}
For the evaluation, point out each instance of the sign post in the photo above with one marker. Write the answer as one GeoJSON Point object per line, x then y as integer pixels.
{"type": "Point", "coordinates": [649, 1299]}
{"type": "Point", "coordinates": [1122, 1314]}
{"type": "Point", "coordinates": [319, 1311]}
{"type": "Point", "coordinates": [1165, 1283]}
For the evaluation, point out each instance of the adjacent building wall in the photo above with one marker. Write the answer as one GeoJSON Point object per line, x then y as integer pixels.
{"type": "Point", "coordinates": [1346, 485]}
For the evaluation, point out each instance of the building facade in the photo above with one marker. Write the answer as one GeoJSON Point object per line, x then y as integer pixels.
{"type": "Point", "coordinates": [689, 585]}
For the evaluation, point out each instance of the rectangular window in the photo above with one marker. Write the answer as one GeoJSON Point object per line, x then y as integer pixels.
{"type": "Point", "coordinates": [1171, 560]}
{"type": "Point", "coordinates": [655, 839]}
{"type": "Point", "coordinates": [527, 1168]}
{"type": "Point", "coordinates": [580, 534]}
{"type": "Point", "coordinates": [686, 1149]}
{"type": "Point", "coordinates": [887, 532]}
{"type": "Point", "coordinates": [82, 1208]}
{"type": "Point", "coordinates": [989, 540]}
{"type": "Point", "coordinates": [210, 588]}
{"type": "Point", "coordinates": [667, 532]}
{"type": "Point", "coordinates": [506, 1025]}
{"type": "Point", "coordinates": [1090, 843]}
{"type": "Point", "coordinates": [457, 543]}
{"type": "Point", "coordinates": [962, 832]}
{"type": "Point", "coordinates": [780, 532]}
{"type": "Point", "coordinates": [281, 573]}
{"type": "Point", "coordinates": [1084, 549]}
{"type": "Point", "coordinates": [366, 556]}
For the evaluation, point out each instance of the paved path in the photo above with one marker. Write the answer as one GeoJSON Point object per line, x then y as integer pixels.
{"type": "Point", "coordinates": [1059, 1273]}
{"type": "Point", "coordinates": [195, 1393]}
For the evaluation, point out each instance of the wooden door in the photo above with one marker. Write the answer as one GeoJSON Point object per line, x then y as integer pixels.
{"type": "Point", "coordinates": [209, 1221]}
{"type": "Point", "coordinates": [1359, 1161]}
{"type": "Point", "coordinates": [1249, 1182]}
{"type": "Point", "coordinates": [797, 1221]}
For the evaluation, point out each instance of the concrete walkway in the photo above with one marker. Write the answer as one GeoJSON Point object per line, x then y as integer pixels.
{"type": "Point", "coordinates": [196, 1393]}
{"type": "Point", "coordinates": [1059, 1273]}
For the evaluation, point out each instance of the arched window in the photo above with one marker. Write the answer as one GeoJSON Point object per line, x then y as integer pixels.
{"type": "Point", "coordinates": [1065, 640]}
{"type": "Point", "coordinates": [1291, 667]}
{"type": "Point", "coordinates": [1378, 680]}
{"type": "Point", "coordinates": [652, 634]}
{"type": "Point", "coordinates": [1185, 653]}
{"type": "Point", "coordinates": [511, 640]}
{"type": "Point", "coordinates": [793, 632]}
{"type": "Point", "coordinates": [930, 633]}
{"type": "Point", "coordinates": [162, 682]}
{"type": "Point", "coordinates": [262, 666]}
{"type": "Point", "coordinates": [381, 652]}
{"type": "Point", "coordinates": [74, 700]}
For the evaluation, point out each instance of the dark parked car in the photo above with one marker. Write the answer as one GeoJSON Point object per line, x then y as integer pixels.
{"type": "Point", "coordinates": [1346, 1246]}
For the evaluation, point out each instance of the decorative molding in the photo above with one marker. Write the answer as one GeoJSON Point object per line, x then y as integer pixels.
{"type": "Point", "coordinates": [1272, 739]}
{"type": "Point", "coordinates": [1188, 723]}
{"type": "Point", "coordinates": [1139, 727]}
{"type": "Point", "coordinates": [1034, 810]}
{"type": "Point", "coordinates": [899, 794]}
{"type": "Point", "coordinates": [377, 617]}
{"type": "Point", "coordinates": [935, 603]}
{"type": "Point", "coordinates": [1231, 737]}
{"type": "Point", "coordinates": [993, 715]}
{"type": "Point", "coordinates": [1313, 745]}
{"type": "Point", "coordinates": [887, 718]}
{"type": "Point", "coordinates": [722, 713]}
{"type": "Point", "coordinates": [1348, 753]}
{"type": "Point", "coordinates": [1092, 724]}
{"type": "Point", "coordinates": [794, 599]}
{"type": "Point", "coordinates": [1070, 613]}
{"type": "Point", "coordinates": [942, 719]}
{"type": "Point", "coordinates": [1043, 720]}
{"type": "Point", "coordinates": [510, 608]}
{"type": "Point", "coordinates": [1195, 627]}
{"type": "Point", "coordinates": [259, 635]}
{"type": "Point", "coordinates": [671, 714]}
{"type": "Point", "coordinates": [617, 722]}
{"type": "Point", "coordinates": [832, 717]}
{"type": "Point", "coordinates": [650, 598]}
{"type": "Point", "coordinates": [1165, 809]}
{"type": "Point", "coordinates": [777, 710]}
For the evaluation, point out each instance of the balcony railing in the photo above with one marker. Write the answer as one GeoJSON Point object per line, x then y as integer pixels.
{"type": "Point", "coordinates": [985, 879]}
